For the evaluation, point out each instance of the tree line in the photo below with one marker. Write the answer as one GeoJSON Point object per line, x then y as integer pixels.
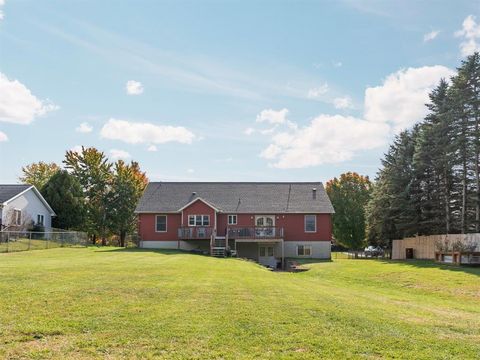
{"type": "Point", "coordinates": [90, 193]}
{"type": "Point", "coordinates": [429, 182]}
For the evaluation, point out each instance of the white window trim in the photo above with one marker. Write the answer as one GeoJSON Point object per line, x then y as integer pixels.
{"type": "Point", "coordinates": [265, 216]}
{"type": "Point", "coordinates": [305, 223]}
{"type": "Point", "coordinates": [43, 219]}
{"type": "Point", "coordinates": [266, 246]}
{"type": "Point", "coordinates": [304, 246]}
{"type": "Point", "coordinates": [18, 219]}
{"type": "Point", "coordinates": [232, 223]}
{"type": "Point", "coordinates": [166, 224]}
{"type": "Point", "coordinates": [195, 217]}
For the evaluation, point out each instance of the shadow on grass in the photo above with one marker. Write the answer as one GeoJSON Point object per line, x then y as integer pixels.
{"type": "Point", "coordinates": [138, 250]}
{"type": "Point", "coordinates": [430, 264]}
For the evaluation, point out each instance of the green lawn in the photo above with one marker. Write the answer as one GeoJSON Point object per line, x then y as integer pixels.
{"type": "Point", "coordinates": [112, 303]}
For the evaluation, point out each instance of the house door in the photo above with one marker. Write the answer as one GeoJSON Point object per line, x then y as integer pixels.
{"type": "Point", "coordinates": [266, 255]}
{"type": "Point", "coordinates": [264, 225]}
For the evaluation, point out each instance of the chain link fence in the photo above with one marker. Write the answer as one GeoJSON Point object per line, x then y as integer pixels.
{"type": "Point", "coordinates": [13, 241]}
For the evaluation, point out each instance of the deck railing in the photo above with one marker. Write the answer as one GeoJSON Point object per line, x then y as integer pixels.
{"type": "Point", "coordinates": [194, 232]}
{"type": "Point", "coordinates": [255, 232]}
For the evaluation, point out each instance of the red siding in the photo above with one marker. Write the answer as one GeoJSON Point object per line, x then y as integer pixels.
{"type": "Point", "coordinates": [293, 224]}
{"type": "Point", "coordinates": [147, 227]}
{"type": "Point", "coordinates": [199, 208]}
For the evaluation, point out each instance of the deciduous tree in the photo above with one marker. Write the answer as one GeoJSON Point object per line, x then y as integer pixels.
{"type": "Point", "coordinates": [349, 195]}
{"type": "Point", "coordinates": [38, 174]}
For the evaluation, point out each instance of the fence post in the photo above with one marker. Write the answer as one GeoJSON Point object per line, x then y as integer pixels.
{"type": "Point", "coordinates": [8, 239]}
{"type": "Point", "coordinates": [47, 243]}
{"type": "Point", "coordinates": [29, 240]}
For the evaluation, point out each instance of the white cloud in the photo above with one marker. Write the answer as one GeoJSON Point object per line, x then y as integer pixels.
{"type": "Point", "coordinates": [272, 116]}
{"type": "Point", "coordinates": [134, 87]}
{"type": "Point", "coordinates": [135, 133]}
{"type": "Point", "coordinates": [249, 131]}
{"type": "Point", "coordinates": [84, 128]}
{"type": "Point", "coordinates": [152, 148]}
{"type": "Point", "coordinates": [190, 171]}
{"type": "Point", "coordinates": [343, 103]}
{"type": "Point", "coordinates": [401, 99]}
{"type": "Point", "coordinates": [2, 2]}
{"type": "Point", "coordinates": [3, 136]}
{"type": "Point", "coordinates": [119, 154]}
{"type": "Point", "coordinates": [471, 36]}
{"type": "Point", "coordinates": [317, 92]}
{"type": "Point", "coordinates": [327, 139]}
{"type": "Point", "coordinates": [393, 106]}
{"type": "Point", "coordinates": [431, 35]}
{"type": "Point", "coordinates": [337, 64]}
{"type": "Point", "coordinates": [77, 148]}
{"type": "Point", "coordinates": [17, 103]}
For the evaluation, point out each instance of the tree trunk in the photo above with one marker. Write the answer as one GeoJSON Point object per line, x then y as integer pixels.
{"type": "Point", "coordinates": [104, 241]}
{"type": "Point", "coordinates": [447, 201]}
{"type": "Point", "coordinates": [94, 239]}
{"type": "Point", "coordinates": [123, 235]}
{"type": "Point", "coordinates": [464, 199]}
{"type": "Point", "coordinates": [477, 178]}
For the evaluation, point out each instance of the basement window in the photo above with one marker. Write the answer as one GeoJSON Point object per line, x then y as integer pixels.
{"type": "Point", "coordinates": [304, 250]}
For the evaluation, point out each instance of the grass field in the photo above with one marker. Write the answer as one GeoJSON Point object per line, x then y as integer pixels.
{"type": "Point", "coordinates": [112, 303]}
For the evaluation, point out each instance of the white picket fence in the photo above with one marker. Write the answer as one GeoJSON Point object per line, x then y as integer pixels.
{"type": "Point", "coordinates": [424, 246]}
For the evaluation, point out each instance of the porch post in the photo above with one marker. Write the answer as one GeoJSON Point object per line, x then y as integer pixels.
{"type": "Point", "coordinates": [283, 255]}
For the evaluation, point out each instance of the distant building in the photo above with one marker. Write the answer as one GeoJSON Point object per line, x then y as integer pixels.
{"type": "Point", "coordinates": [22, 206]}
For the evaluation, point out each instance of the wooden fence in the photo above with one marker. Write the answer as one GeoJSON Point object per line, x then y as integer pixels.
{"type": "Point", "coordinates": [424, 246]}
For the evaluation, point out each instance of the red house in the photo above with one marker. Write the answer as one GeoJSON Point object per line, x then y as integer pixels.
{"type": "Point", "coordinates": [266, 222]}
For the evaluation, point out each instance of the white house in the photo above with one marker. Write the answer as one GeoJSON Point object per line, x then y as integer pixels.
{"type": "Point", "coordinates": [22, 206]}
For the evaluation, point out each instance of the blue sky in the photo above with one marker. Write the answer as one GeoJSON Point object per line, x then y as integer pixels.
{"type": "Point", "coordinates": [226, 91]}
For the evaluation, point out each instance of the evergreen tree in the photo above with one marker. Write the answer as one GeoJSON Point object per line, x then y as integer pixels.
{"type": "Point", "coordinates": [430, 177]}
{"type": "Point", "coordinates": [64, 194]}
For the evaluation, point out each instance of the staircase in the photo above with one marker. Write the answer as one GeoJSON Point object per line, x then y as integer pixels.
{"type": "Point", "coordinates": [218, 246]}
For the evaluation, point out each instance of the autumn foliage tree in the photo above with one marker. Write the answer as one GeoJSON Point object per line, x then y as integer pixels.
{"type": "Point", "coordinates": [38, 174]}
{"type": "Point", "coordinates": [126, 188]}
{"type": "Point", "coordinates": [349, 195]}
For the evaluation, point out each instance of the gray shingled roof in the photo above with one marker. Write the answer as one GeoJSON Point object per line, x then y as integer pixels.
{"type": "Point", "coordinates": [237, 197]}
{"type": "Point", "coordinates": [9, 191]}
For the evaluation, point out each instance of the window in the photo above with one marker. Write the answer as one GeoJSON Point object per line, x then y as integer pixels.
{"type": "Point", "coordinates": [269, 251]}
{"type": "Point", "coordinates": [40, 219]}
{"type": "Point", "coordinates": [304, 250]}
{"type": "Point", "coordinates": [262, 251]}
{"type": "Point", "coordinates": [266, 251]}
{"type": "Point", "coordinates": [161, 223]}
{"type": "Point", "coordinates": [206, 220]}
{"type": "Point", "coordinates": [310, 223]}
{"type": "Point", "coordinates": [232, 219]}
{"type": "Point", "coordinates": [198, 220]}
{"type": "Point", "coordinates": [17, 217]}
